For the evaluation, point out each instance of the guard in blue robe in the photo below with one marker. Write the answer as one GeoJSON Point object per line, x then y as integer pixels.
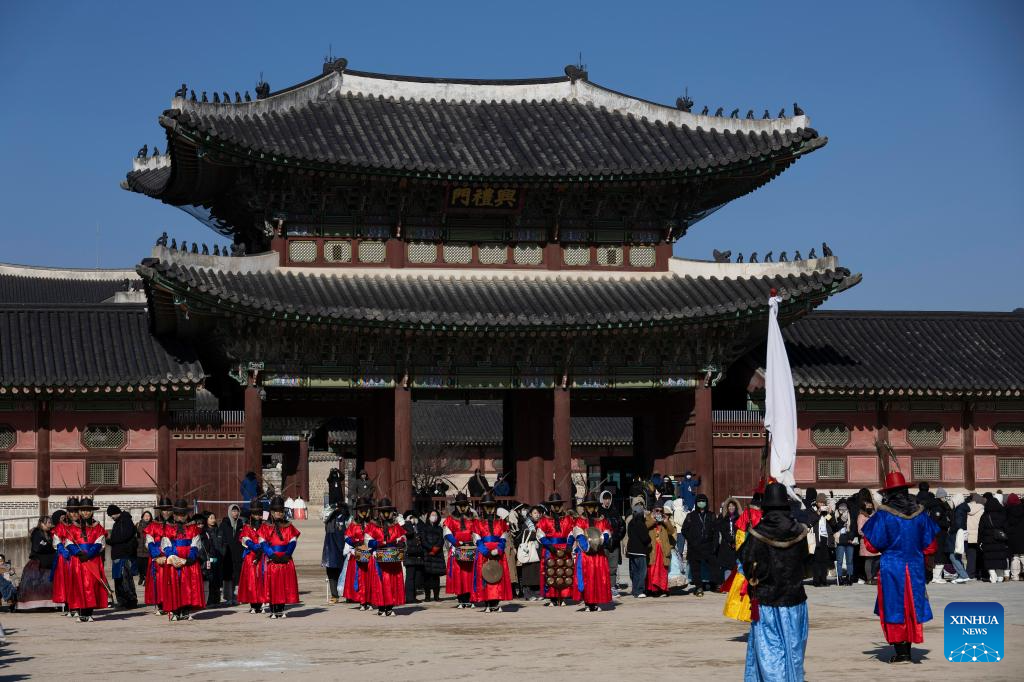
{"type": "Point", "coordinates": [903, 533]}
{"type": "Point", "coordinates": [774, 558]}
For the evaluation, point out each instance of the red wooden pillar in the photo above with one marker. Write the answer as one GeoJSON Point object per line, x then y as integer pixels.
{"type": "Point", "coordinates": [967, 424]}
{"type": "Point", "coordinates": [43, 456]}
{"type": "Point", "coordinates": [163, 447]}
{"type": "Point", "coordinates": [302, 470]}
{"type": "Point", "coordinates": [561, 426]}
{"type": "Point", "coordinates": [253, 428]}
{"type": "Point", "coordinates": [401, 482]}
{"type": "Point", "coordinates": [704, 458]}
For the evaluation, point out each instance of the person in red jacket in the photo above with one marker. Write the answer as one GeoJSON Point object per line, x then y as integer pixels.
{"type": "Point", "coordinates": [62, 566]}
{"type": "Point", "coordinates": [458, 532]}
{"type": "Point", "coordinates": [361, 531]}
{"type": "Point", "coordinates": [387, 584]}
{"type": "Point", "coordinates": [155, 531]}
{"type": "Point", "coordinates": [554, 532]}
{"type": "Point", "coordinates": [87, 588]}
{"type": "Point", "coordinates": [183, 579]}
{"type": "Point", "coordinates": [490, 534]}
{"type": "Point", "coordinates": [592, 579]}
{"type": "Point", "coordinates": [278, 543]}
{"type": "Point", "coordinates": [251, 584]}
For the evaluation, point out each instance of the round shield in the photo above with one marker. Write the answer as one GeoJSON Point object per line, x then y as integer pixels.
{"type": "Point", "coordinates": [492, 572]}
{"type": "Point", "coordinates": [594, 538]}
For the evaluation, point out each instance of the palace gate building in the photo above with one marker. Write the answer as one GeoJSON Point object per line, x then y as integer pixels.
{"type": "Point", "coordinates": [499, 250]}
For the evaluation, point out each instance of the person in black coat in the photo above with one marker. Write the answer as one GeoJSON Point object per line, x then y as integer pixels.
{"type": "Point", "coordinates": [1015, 531]}
{"type": "Point", "coordinates": [942, 515]}
{"type": "Point", "coordinates": [414, 553]}
{"type": "Point", "coordinates": [432, 541]}
{"type": "Point", "coordinates": [335, 483]}
{"type": "Point", "coordinates": [613, 550]}
{"type": "Point", "coordinates": [231, 562]}
{"type": "Point", "coordinates": [333, 557]}
{"type": "Point", "coordinates": [211, 553]}
{"type": "Point", "coordinates": [701, 545]}
{"type": "Point", "coordinates": [123, 541]}
{"type": "Point", "coordinates": [994, 540]}
{"type": "Point", "coordinates": [725, 527]}
{"type": "Point", "coordinates": [638, 547]}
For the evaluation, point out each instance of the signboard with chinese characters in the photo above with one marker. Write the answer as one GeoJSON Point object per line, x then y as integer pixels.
{"type": "Point", "coordinates": [490, 198]}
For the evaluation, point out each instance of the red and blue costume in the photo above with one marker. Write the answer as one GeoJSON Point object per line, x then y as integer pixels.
{"type": "Point", "coordinates": [182, 586]}
{"type": "Point", "coordinates": [459, 531]}
{"type": "Point", "coordinates": [155, 531]}
{"type": "Point", "coordinates": [554, 531]}
{"type": "Point", "coordinates": [357, 575]}
{"type": "Point", "coordinates": [84, 544]}
{"type": "Point", "coordinates": [251, 581]}
{"type": "Point", "coordinates": [592, 580]}
{"type": "Point", "coordinates": [490, 535]}
{"type": "Point", "coordinates": [387, 583]}
{"type": "Point", "coordinates": [62, 565]}
{"type": "Point", "coordinates": [280, 582]}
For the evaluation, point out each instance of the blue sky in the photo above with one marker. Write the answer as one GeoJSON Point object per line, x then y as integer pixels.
{"type": "Point", "coordinates": [920, 186]}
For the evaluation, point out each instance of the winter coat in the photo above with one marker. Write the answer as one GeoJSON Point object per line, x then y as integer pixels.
{"type": "Point", "coordinates": [774, 557]}
{"type": "Point", "coordinates": [141, 550]}
{"type": "Point", "coordinates": [432, 540]}
{"type": "Point", "coordinates": [123, 538]}
{"type": "Point", "coordinates": [686, 491]}
{"type": "Point", "coordinates": [661, 533]}
{"type": "Point", "coordinates": [249, 488]}
{"type": "Point", "coordinates": [334, 492]}
{"type": "Point", "coordinates": [638, 539]}
{"type": "Point", "coordinates": [361, 489]}
{"type": "Point", "coordinates": [618, 525]}
{"type": "Point", "coordinates": [942, 515]}
{"type": "Point", "coordinates": [861, 520]}
{"type": "Point", "coordinates": [1015, 527]}
{"type": "Point", "coordinates": [993, 521]}
{"type": "Point", "coordinates": [42, 549]}
{"type": "Point", "coordinates": [231, 563]}
{"type": "Point", "coordinates": [974, 512]}
{"type": "Point", "coordinates": [333, 554]}
{"type": "Point", "coordinates": [725, 530]}
{"type": "Point", "coordinates": [414, 551]}
{"type": "Point", "coordinates": [700, 533]}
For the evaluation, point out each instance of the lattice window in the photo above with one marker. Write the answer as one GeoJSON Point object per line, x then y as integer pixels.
{"type": "Point", "coordinates": [5, 473]}
{"type": "Point", "coordinates": [338, 252]}
{"type": "Point", "coordinates": [8, 437]}
{"type": "Point", "coordinates": [371, 252]}
{"type": "Point", "coordinates": [576, 255]}
{"type": "Point", "coordinates": [641, 256]}
{"type": "Point", "coordinates": [103, 473]}
{"type": "Point", "coordinates": [104, 437]}
{"type": "Point", "coordinates": [301, 251]}
{"type": "Point", "coordinates": [609, 255]}
{"type": "Point", "coordinates": [458, 254]}
{"type": "Point", "coordinates": [926, 434]}
{"type": "Point", "coordinates": [528, 254]}
{"type": "Point", "coordinates": [1011, 468]}
{"type": "Point", "coordinates": [422, 252]}
{"type": "Point", "coordinates": [830, 435]}
{"type": "Point", "coordinates": [493, 254]}
{"type": "Point", "coordinates": [831, 469]}
{"type": "Point", "coordinates": [1009, 434]}
{"type": "Point", "coordinates": [927, 469]}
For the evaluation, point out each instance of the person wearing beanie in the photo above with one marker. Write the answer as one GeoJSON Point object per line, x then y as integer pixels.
{"type": "Point", "coordinates": [1015, 533]}
{"type": "Point", "coordinates": [903, 533]}
{"type": "Point", "coordinates": [773, 556]}
{"type": "Point", "coordinates": [124, 542]}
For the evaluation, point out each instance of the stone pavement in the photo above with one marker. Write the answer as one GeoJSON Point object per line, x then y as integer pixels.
{"type": "Point", "coordinates": [651, 639]}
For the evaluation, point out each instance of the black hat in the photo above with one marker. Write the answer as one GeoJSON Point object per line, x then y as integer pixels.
{"type": "Point", "coordinates": [181, 506]}
{"type": "Point", "coordinates": [461, 499]}
{"type": "Point", "coordinates": [113, 510]}
{"type": "Point", "coordinates": [72, 504]}
{"type": "Point", "coordinates": [85, 504]}
{"type": "Point", "coordinates": [555, 498]}
{"type": "Point", "coordinates": [364, 503]}
{"type": "Point", "coordinates": [277, 503]}
{"type": "Point", "coordinates": [591, 499]}
{"type": "Point", "coordinates": [57, 516]}
{"type": "Point", "coordinates": [775, 498]}
{"type": "Point", "coordinates": [165, 504]}
{"type": "Point", "coordinates": [385, 504]}
{"type": "Point", "coordinates": [255, 508]}
{"type": "Point", "coordinates": [487, 498]}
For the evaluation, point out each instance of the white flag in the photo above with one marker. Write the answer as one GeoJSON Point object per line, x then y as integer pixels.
{"type": "Point", "coordinates": [779, 402]}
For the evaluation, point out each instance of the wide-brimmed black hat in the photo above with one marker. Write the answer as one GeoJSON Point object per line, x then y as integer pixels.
{"type": "Point", "coordinates": [385, 504]}
{"type": "Point", "coordinates": [165, 504]}
{"type": "Point", "coordinates": [775, 498]}
{"type": "Point", "coordinates": [364, 503]}
{"type": "Point", "coordinates": [72, 504]}
{"type": "Point", "coordinates": [488, 498]}
{"type": "Point", "coordinates": [591, 499]}
{"type": "Point", "coordinates": [255, 508]}
{"type": "Point", "coordinates": [181, 506]}
{"type": "Point", "coordinates": [277, 503]}
{"type": "Point", "coordinates": [461, 498]}
{"type": "Point", "coordinates": [85, 504]}
{"type": "Point", "coordinates": [555, 498]}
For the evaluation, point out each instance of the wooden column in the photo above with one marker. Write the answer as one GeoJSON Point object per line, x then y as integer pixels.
{"type": "Point", "coordinates": [704, 459]}
{"type": "Point", "coordinates": [163, 447]}
{"type": "Point", "coordinates": [253, 429]}
{"type": "Point", "coordinates": [883, 436]}
{"type": "Point", "coordinates": [967, 424]}
{"type": "Point", "coordinates": [302, 470]}
{"type": "Point", "coordinates": [43, 456]}
{"type": "Point", "coordinates": [561, 427]}
{"type": "Point", "coordinates": [401, 482]}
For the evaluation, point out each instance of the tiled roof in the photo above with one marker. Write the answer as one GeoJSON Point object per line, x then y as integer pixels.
{"type": "Point", "coordinates": [148, 181]}
{"type": "Point", "coordinates": [426, 302]}
{"type": "Point", "coordinates": [563, 127]}
{"type": "Point", "coordinates": [17, 289]}
{"type": "Point", "coordinates": [926, 352]}
{"type": "Point", "coordinates": [88, 347]}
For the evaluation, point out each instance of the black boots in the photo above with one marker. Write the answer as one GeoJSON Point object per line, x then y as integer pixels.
{"type": "Point", "coordinates": [902, 654]}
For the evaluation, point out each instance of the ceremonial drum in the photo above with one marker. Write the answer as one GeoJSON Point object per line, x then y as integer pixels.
{"type": "Point", "coordinates": [492, 571]}
{"type": "Point", "coordinates": [389, 555]}
{"type": "Point", "coordinates": [363, 556]}
{"type": "Point", "coordinates": [558, 569]}
{"type": "Point", "coordinates": [464, 553]}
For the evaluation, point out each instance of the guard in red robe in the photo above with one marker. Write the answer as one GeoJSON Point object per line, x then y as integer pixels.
{"type": "Point", "coordinates": [251, 585]}
{"type": "Point", "coordinates": [87, 584]}
{"type": "Point", "coordinates": [592, 579]}
{"type": "Point", "coordinates": [358, 535]}
{"type": "Point", "coordinates": [554, 532]}
{"type": "Point", "coordinates": [155, 531]}
{"type": "Point", "coordinates": [62, 565]}
{"type": "Point", "coordinates": [182, 584]}
{"type": "Point", "coordinates": [458, 532]}
{"type": "Point", "coordinates": [279, 538]}
{"type": "Point", "coordinates": [490, 534]}
{"type": "Point", "coordinates": [387, 583]}
{"type": "Point", "coordinates": [904, 534]}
